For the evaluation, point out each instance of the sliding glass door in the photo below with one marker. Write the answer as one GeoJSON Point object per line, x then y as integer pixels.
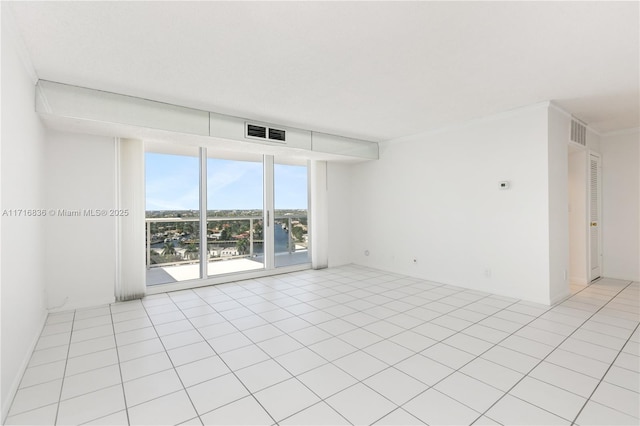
{"type": "Point", "coordinates": [235, 212]}
{"type": "Point", "coordinates": [213, 214]}
{"type": "Point", "coordinates": [291, 227]}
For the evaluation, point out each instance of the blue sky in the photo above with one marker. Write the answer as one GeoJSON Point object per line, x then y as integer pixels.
{"type": "Point", "coordinates": [172, 184]}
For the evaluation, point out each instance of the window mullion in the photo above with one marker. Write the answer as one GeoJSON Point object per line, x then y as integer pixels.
{"type": "Point", "coordinates": [204, 250]}
{"type": "Point", "coordinates": [269, 213]}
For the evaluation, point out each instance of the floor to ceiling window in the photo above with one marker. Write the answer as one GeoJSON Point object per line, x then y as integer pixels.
{"type": "Point", "coordinates": [291, 202]}
{"type": "Point", "coordinates": [212, 214]}
{"type": "Point", "coordinates": [234, 214]}
{"type": "Point", "coordinates": [172, 216]}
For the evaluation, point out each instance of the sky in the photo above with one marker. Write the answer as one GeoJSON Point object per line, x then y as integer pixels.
{"type": "Point", "coordinates": [172, 184]}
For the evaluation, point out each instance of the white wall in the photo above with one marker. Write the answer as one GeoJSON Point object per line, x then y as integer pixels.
{"type": "Point", "coordinates": [435, 198]}
{"type": "Point", "coordinates": [621, 205]}
{"type": "Point", "coordinates": [81, 252]}
{"type": "Point", "coordinates": [22, 276]}
{"type": "Point", "coordinates": [559, 126]}
{"type": "Point", "coordinates": [339, 205]}
{"type": "Point", "coordinates": [593, 141]}
{"type": "Point", "coordinates": [318, 214]}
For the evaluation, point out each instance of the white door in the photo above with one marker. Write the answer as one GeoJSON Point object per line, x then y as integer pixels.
{"type": "Point", "coordinates": [595, 233]}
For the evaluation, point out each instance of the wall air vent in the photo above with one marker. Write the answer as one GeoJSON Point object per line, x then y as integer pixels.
{"type": "Point", "coordinates": [267, 133]}
{"type": "Point", "coordinates": [277, 135]}
{"type": "Point", "coordinates": [578, 132]}
{"type": "Point", "coordinates": [256, 131]}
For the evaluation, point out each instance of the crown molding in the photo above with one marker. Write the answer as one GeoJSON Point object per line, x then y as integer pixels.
{"type": "Point", "coordinates": [629, 131]}
{"type": "Point", "coordinates": [473, 121]}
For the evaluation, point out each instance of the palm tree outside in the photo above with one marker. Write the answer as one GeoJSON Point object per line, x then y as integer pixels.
{"type": "Point", "coordinates": [242, 245]}
{"type": "Point", "coordinates": [168, 249]}
{"type": "Point", "coordinates": [191, 252]}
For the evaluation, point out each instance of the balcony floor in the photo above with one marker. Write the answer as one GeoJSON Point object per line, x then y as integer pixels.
{"type": "Point", "coordinates": [177, 273]}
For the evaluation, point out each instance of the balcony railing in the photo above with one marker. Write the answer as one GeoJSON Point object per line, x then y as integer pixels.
{"type": "Point", "coordinates": [176, 241]}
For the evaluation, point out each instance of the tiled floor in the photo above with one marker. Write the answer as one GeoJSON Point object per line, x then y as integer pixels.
{"type": "Point", "coordinates": [340, 346]}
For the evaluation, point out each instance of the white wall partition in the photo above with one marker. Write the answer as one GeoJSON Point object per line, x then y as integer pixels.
{"type": "Point", "coordinates": [339, 215]}
{"type": "Point", "coordinates": [559, 125]}
{"type": "Point", "coordinates": [129, 216]}
{"type": "Point", "coordinates": [318, 214]}
{"type": "Point", "coordinates": [80, 239]}
{"type": "Point", "coordinates": [621, 204]}
{"type": "Point", "coordinates": [23, 252]}
{"type": "Point", "coordinates": [432, 206]}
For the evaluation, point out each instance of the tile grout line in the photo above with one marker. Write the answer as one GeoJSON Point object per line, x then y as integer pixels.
{"type": "Point", "coordinates": [359, 311]}
{"type": "Point", "coordinates": [124, 395]}
{"type": "Point", "coordinates": [494, 345]}
{"type": "Point", "coordinates": [455, 308]}
{"type": "Point", "coordinates": [392, 366]}
{"type": "Point", "coordinates": [455, 370]}
{"type": "Point", "coordinates": [573, 422]}
{"type": "Point", "coordinates": [66, 362]}
{"type": "Point", "coordinates": [25, 371]}
{"type": "Point", "coordinates": [389, 366]}
{"type": "Point", "coordinates": [272, 358]}
{"type": "Point", "coordinates": [543, 359]}
{"type": "Point", "coordinates": [94, 369]}
{"type": "Point", "coordinates": [67, 357]}
{"type": "Point", "coordinates": [329, 362]}
{"type": "Point", "coordinates": [295, 376]}
{"type": "Point", "coordinates": [172, 365]}
{"type": "Point", "coordinates": [400, 406]}
{"type": "Point", "coordinates": [221, 359]}
{"type": "Point", "coordinates": [347, 288]}
{"type": "Point", "coordinates": [304, 346]}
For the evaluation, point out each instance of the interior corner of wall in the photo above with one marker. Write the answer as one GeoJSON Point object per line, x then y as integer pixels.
{"type": "Point", "coordinates": [57, 305]}
{"type": "Point", "coordinates": [11, 32]}
{"type": "Point", "coordinates": [555, 299]}
{"type": "Point", "coordinates": [7, 398]}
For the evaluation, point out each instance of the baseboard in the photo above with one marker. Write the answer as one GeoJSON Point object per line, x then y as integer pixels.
{"type": "Point", "coordinates": [82, 304]}
{"type": "Point", "coordinates": [7, 399]}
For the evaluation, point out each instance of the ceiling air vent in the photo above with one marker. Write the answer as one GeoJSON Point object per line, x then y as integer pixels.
{"type": "Point", "coordinates": [578, 132]}
{"type": "Point", "coordinates": [277, 135]}
{"type": "Point", "coordinates": [267, 133]}
{"type": "Point", "coordinates": [256, 131]}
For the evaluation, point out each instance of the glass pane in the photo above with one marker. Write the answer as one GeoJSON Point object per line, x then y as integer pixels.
{"type": "Point", "coordinates": [172, 217]}
{"type": "Point", "coordinates": [291, 208]}
{"type": "Point", "coordinates": [234, 215]}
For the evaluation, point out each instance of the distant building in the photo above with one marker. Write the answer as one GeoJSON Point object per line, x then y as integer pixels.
{"type": "Point", "coordinates": [229, 251]}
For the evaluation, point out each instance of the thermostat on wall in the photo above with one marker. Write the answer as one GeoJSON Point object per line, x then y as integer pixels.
{"type": "Point", "coordinates": [504, 184]}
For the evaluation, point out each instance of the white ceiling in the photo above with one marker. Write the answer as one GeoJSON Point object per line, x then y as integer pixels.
{"type": "Point", "coordinates": [372, 70]}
